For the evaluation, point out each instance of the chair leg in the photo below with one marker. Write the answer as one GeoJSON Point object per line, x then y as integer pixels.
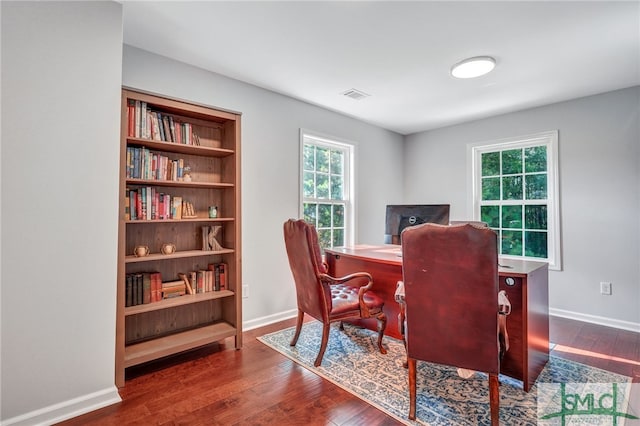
{"type": "Point", "coordinates": [412, 388]}
{"type": "Point", "coordinates": [382, 325]}
{"type": "Point", "coordinates": [298, 328]}
{"type": "Point", "coordinates": [494, 399]}
{"type": "Point", "coordinates": [401, 329]}
{"type": "Point", "coordinates": [323, 344]}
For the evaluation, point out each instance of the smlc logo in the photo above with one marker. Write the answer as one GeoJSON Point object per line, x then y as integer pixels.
{"type": "Point", "coordinates": [591, 404]}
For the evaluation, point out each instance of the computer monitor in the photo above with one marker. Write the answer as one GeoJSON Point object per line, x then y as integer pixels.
{"type": "Point", "coordinates": [400, 216]}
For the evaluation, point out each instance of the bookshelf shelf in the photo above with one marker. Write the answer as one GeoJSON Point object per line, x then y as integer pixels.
{"type": "Point", "coordinates": [195, 219]}
{"type": "Point", "coordinates": [178, 184]}
{"type": "Point", "coordinates": [168, 345]}
{"type": "Point", "coordinates": [179, 148]}
{"type": "Point", "coordinates": [162, 140]}
{"type": "Point", "coordinates": [177, 255]}
{"type": "Point", "coordinates": [176, 301]}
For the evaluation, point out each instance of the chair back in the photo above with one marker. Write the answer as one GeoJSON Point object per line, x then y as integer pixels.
{"type": "Point", "coordinates": [451, 287]}
{"type": "Point", "coordinates": [305, 260]}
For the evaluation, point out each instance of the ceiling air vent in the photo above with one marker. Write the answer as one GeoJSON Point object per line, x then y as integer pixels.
{"type": "Point", "coordinates": [355, 94]}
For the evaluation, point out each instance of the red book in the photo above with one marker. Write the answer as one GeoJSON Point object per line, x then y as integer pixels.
{"type": "Point", "coordinates": [131, 117]}
{"type": "Point", "coordinates": [156, 287]}
{"type": "Point", "coordinates": [223, 276]}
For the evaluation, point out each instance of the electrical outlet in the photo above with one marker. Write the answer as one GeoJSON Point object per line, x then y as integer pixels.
{"type": "Point", "coordinates": [605, 288]}
{"type": "Point", "coordinates": [245, 291]}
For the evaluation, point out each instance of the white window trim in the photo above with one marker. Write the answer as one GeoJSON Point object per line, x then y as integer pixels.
{"type": "Point", "coordinates": [550, 139]}
{"type": "Point", "coordinates": [350, 178]}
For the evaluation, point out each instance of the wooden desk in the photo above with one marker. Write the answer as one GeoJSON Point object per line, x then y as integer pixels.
{"type": "Point", "coordinates": [525, 282]}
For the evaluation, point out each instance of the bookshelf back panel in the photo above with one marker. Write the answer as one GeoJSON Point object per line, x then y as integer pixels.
{"type": "Point", "coordinates": [186, 235]}
{"type": "Point", "coordinates": [170, 268]}
{"type": "Point", "coordinates": [150, 325]}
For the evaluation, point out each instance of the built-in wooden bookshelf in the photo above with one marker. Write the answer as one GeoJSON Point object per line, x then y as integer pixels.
{"type": "Point", "coordinates": [160, 137]}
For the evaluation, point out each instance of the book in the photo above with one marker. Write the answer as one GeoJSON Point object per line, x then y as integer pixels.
{"type": "Point", "coordinates": [136, 132]}
{"type": "Point", "coordinates": [155, 129]}
{"type": "Point", "coordinates": [187, 284]}
{"type": "Point", "coordinates": [146, 288]}
{"type": "Point", "coordinates": [193, 281]}
{"type": "Point", "coordinates": [176, 209]}
{"type": "Point", "coordinates": [160, 126]}
{"type": "Point", "coordinates": [127, 205]}
{"type": "Point", "coordinates": [173, 289]}
{"type": "Point", "coordinates": [131, 117]}
{"type": "Point", "coordinates": [200, 281]}
{"type": "Point", "coordinates": [138, 287]}
{"type": "Point", "coordinates": [128, 290]}
{"type": "Point", "coordinates": [210, 280]}
{"type": "Point", "coordinates": [223, 276]}
{"type": "Point", "coordinates": [220, 275]}
{"type": "Point", "coordinates": [171, 129]}
{"type": "Point", "coordinates": [156, 287]}
{"type": "Point", "coordinates": [167, 128]}
{"type": "Point", "coordinates": [143, 119]}
{"type": "Point", "coordinates": [216, 281]}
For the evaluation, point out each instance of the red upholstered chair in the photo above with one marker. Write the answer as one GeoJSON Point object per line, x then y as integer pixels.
{"type": "Point", "coordinates": [326, 298]}
{"type": "Point", "coordinates": [450, 276]}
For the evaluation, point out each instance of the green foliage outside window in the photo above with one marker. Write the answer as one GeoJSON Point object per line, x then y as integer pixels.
{"type": "Point", "coordinates": [512, 181]}
{"type": "Point", "coordinates": [512, 161]}
{"type": "Point", "coordinates": [512, 188]}
{"type": "Point", "coordinates": [324, 189]}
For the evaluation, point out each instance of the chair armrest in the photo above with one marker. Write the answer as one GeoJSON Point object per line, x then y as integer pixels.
{"type": "Point", "coordinates": [364, 310]}
{"type": "Point", "coordinates": [341, 280]}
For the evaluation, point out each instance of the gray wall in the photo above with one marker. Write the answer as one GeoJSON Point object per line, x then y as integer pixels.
{"type": "Point", "coordinates": [599, 162]}
{"type": "Point", "coordinates": [270, 168]}
{"type": "Point", "coordinates": [61, 74]}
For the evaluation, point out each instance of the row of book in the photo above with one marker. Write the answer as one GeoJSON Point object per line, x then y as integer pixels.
{"type": "Point", "coordinates": [147, 203]}
{"type": "Point", "coordinates": [143, 288]}
{"type": "Point", "coordinates": [145, 164]}
{"type": "Point", "coordinates": [148, 287]}
{"type": "Point", "coordinates": [148, 124]}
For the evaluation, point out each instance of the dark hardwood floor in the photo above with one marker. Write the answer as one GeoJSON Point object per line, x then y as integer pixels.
{"type": "Point", "coordinates": [218, 385]}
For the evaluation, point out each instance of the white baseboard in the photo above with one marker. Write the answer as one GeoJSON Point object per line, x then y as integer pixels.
{"type": "Point", "coordinates": [594, 319]}
{"type": "Point", "coordinates": [269, 319]}
{"type": "Point", "coordinates": [67, 409]}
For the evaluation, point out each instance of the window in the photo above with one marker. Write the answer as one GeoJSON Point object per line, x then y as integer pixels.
{"type": "Point", "coordinates": [327, 188]}
{"type": "Point", "coordinates": [515, 191]}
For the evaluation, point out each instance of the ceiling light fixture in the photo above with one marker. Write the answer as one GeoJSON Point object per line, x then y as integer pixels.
{"type": "Point", "coordinates": [473, 67]}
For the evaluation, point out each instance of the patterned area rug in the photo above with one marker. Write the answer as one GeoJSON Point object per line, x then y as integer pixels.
{"type": "Point", "coordinates": [353, 362]}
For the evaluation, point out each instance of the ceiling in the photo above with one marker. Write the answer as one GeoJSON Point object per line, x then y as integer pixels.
{"type": "Point", "coordinates": [400, 53]}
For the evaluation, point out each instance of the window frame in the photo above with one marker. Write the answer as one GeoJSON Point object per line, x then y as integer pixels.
{"type": "Point", "coordinates": [349, 148]}
{"type": "Point", "coordinates": [548, 139]}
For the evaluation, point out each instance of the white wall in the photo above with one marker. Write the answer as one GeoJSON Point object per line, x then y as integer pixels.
{"type": "Point", "coordinates": [61, 73]}
{"type": "Point", "coordinates": [599, 159]}
{"type": "Point", "coordinates": [270, 169]}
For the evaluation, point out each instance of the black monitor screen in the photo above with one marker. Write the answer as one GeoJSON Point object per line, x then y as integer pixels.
{"type": "Point", "coordinates": [400, 216]}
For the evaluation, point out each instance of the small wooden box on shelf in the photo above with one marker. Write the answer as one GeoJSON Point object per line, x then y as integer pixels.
{"type": "Point", "coordinates": [177, 160]}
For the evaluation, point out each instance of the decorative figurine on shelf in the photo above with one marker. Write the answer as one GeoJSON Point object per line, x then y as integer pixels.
{"type": "Point", "coordinates": [213, 212]}
{"type": "Point", "coordinates": [188, 211]}
{"type": "Point", "coordinates": [210, 238]}
{"type": "Point", "coordinates": [186, 174]}
{"type": "Point", "coordinates": [141, 251]}
{"type": "Point", "coordinates": [168, 248]}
